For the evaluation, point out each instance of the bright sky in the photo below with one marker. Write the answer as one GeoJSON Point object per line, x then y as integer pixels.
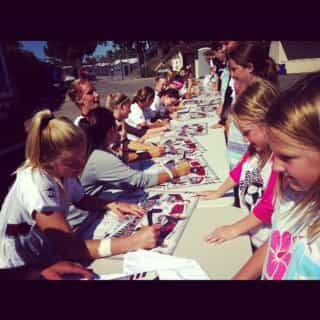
{"type": "Point", "coordinates": [37, 48]}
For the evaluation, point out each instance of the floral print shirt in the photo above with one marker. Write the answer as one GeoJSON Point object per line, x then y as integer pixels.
{"type": "Point", "coordinates": [289, 255]}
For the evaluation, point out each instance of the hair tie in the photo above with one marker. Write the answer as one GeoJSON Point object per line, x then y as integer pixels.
{"type": "Point", "coordinates": [45, 122]}
{"type": "Point", "coordinates": [124, 100]}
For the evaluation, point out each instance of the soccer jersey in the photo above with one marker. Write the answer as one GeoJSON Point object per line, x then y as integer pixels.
{"type": "Point", "coordinates": [135, 119]}
{"type": "Point", "coordinates": [33, 191]}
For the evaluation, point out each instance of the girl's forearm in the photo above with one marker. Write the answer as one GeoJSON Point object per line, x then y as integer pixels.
{"type": "Point", "coordinates": [118, 246]}
{"type": "Point", "coordinates": [92, 203]}
{"type": "Point", "coordinates": [252, 270]}
{"type": "Point", "coordinates": [155, 130]}
{"type": "Point", "coordinates": [247, 224]}
{"type": "Point", "coordinates": [227, 185]}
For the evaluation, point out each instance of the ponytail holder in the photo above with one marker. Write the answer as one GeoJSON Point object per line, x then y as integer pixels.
{"type": "Point", "coordinates": [124, 100]}
{"type": "Point", "coordinates": [45, 122]}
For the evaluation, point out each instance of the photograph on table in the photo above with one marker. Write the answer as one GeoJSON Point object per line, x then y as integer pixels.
{"type": "Point", "coordinates": [171, 210]}
{"type": "Point", "coordinates": [209, 100]}
{"type": "Point", "coordinates": [193, 129]}
{"type": "Point", "coordinates": [201, 174]}
{"type": "Point", "coordinates": [196, 112]}
{"type": "Point", "coordinates": [179, 147]}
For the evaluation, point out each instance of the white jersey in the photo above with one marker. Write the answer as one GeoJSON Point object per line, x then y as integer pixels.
{"type": "Point", "coordinates": [252, 186]}
{"type": "Point", "coordinates": [33, 191]}
{"type": "Point", "coordinates": [135, 118]}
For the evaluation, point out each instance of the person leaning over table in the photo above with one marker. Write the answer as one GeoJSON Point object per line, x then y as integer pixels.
{"type": "Point", "coordinates": [160, 84]}
{"type": "Point", "coordinates": [104, 170]}
{"type": "Point", "coordinates": [136, 122]}
{"type": "Point", "coordinates": [119, 104]}
{"type": "Point", "coordinates": [34, 228]}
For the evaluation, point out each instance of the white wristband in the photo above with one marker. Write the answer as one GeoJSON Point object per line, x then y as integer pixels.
{"type": "Point", "coordinates": [104, 248]}
{"type": "Point", "coordinates": [168, 171]}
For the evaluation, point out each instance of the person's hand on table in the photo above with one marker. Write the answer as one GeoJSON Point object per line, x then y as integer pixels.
{"type": "Point", "coordinates": [172, 109]}
{"type": "Point", "coordinates": [208, 195]}
{"type": "Point", "coordinates": [124, 208]}
{"type": "Point", "coordinates": [174, 115]}
{"type": "Point", "coordinates": [147, 237]}
{"type": "Point", "coordinates": [163, 121]}
{"type": "Point", "coordinates": [157, 152]}
{"type": "Point", "coordinates": [182, 169]}
{"type": "Point", "coordinates": [222, 234]}
{"type": "Point", "coordinates": [60, 269]}
{"type": "Point", "coordinates": [219, 109]}
{"type": "Point", "coordinates": [217, 126]}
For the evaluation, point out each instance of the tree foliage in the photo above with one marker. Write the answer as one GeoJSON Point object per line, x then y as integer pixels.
{"type": "Point", "coordinates": [31, 77]}
{"type": "Point", "coordinates": [135, 47]}
{"type": "Point", "coordinates": [68, 52]}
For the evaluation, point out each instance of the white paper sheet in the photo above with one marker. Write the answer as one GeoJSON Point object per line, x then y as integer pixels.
{"type": "Point", "coordinates": [168, 267]}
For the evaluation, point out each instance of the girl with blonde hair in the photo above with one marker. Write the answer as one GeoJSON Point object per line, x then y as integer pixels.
{"type": "Point", "coordinates": [254, 174]}
{"type": "Point", "coordinates": [33, 220]}
{"type": "Point", "coordinates": [85, 96]}
{"type": "Point", "coordinates": [293, 129]}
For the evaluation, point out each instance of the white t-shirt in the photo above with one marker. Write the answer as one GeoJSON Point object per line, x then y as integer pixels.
{"type": "Point", "coordinates": [253, 184]}
{"type": "Point", "coordinates": [184, 89]}
{"type": "Point", "coordinates": [153, 111]}
{"type": "Point", "coordinates": [290, 255]}
{"type": "Point", "coordinates": [136, 116]}
{"type": "Point", "coordinates": [33, 190]}
{"type": "Point", "coordinates": [156, 102]}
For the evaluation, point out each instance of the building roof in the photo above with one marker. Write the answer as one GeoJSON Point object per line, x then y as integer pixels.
{"type": "Point", "coordinates": [301, 49]}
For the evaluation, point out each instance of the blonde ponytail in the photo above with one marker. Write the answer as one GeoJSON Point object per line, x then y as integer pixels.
{"type": "Point", "coordinates": [48, 137]}
{"type": "Point", "coordinates": [115, 99]}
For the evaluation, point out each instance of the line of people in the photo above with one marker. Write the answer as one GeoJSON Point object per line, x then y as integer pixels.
{"type": "Point", "coordinates": [273, 152]}
{"type": "Point", "coordinates": [63, 189]}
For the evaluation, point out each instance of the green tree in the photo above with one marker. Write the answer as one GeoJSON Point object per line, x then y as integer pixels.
{"type": "Point", "coordinates": [24, 66]}
{"type": "Point", "coordinates": [130, 46]}
{"type": "Point", "coordinates": [71, 53]}
{"type": "Point", "coordinates": [91, 60]}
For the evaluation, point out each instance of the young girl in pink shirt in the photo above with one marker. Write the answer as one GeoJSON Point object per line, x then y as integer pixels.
{"type": "Point", "coordinates": [254, 174]}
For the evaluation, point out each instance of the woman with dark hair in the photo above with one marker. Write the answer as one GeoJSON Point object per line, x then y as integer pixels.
{"type": "Point", "coordinates": [104, 170]}
{"type": "Point", "coordinates": [227, 90]}
{"type": "Point", "coordinates": [160, 84]}
{"type": "Point", "coordinates": [136, 123]}
{"type": "Point", "coordinates": [247, 62]}
{"type": "Point", "coordinates": [169, 99]}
